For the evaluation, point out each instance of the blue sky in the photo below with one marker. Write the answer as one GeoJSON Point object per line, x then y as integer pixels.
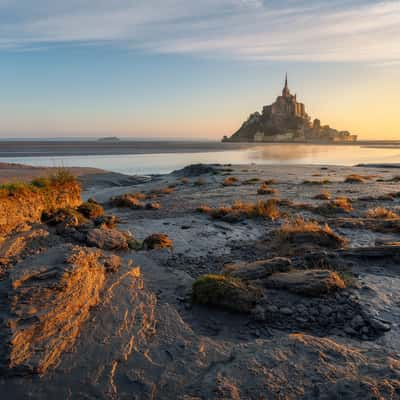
{"type": "Point", "coordinates": [195, 69]}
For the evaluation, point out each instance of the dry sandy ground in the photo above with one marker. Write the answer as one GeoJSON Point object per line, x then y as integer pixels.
{"type": "Point", "coordinates": [24, 173]}
{"type": "Point", "coordinates": [89, 177]}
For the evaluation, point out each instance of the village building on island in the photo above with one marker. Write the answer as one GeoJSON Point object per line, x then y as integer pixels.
{"type": "Point", "coordinates": [286, 120]}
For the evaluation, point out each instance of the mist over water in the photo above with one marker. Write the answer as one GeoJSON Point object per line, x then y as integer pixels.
{"type": "Point", "coordinates": [159, 163]}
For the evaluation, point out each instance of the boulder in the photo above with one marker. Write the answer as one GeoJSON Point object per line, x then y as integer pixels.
{"type": "Point", "coordinates": [157, 241]}
{"type": "Point", "coordinates": [225, 292]}
{"type": "Point", "coordinates": [108, 239]}
{"type": "Point", "coordinates": [257, 270]}
{"type": "Point", "coordinates": [106, 221]}
{"type": "Point", "coordinates": [315, 282]}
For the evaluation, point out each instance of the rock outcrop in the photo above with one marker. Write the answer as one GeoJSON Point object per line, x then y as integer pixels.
{"type": "Point", "coordinates": [44, 302]}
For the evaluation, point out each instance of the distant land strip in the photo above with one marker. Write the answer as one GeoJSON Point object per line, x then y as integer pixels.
{"type": "Point", "coordinates": [35, 148]}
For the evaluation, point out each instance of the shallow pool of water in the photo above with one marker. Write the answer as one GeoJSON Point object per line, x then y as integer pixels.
{"type": "Point", "coordinates": [263, 154]}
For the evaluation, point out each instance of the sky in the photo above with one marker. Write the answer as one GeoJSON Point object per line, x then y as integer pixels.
{"type": "Point", "coordinates": [194, 69]}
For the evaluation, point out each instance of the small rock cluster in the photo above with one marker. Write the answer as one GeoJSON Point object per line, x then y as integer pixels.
{"type": "Point", "coordinates": [309, 299]}
{"type": "Point", "coordinates": [339, 315]}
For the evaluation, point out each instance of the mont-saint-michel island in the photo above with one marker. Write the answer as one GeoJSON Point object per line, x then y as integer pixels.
{"type": "Point", "coordinates": [286, 120]}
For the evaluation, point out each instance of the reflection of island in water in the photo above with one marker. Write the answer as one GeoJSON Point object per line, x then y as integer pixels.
{"type": "Point", "coordinates": [290, 153]}
{"type": "Point", "coordinates": [286, 120]}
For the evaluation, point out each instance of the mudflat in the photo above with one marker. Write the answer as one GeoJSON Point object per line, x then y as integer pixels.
{"type": "Point", "coordinates": [212, 282]}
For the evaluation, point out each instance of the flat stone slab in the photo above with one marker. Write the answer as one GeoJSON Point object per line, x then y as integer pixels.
{"type": "Point", "coordinates": [306, 282]}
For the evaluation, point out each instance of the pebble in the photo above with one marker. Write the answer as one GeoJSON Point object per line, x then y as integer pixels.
{"type": "Point", "coordinates": [379, 325]}
{"type": "Point", "coordinates": [271, 309]}
{"type": "Point", "coordinates": [325, 310]}
{"type": "Point", "coordinates": [259, 314]}
{"type": "Point", "coordinates": [349, 330]}
{"type": "Point", "coordinates": [364, 330]}
{"type": "Point", "coordinates": [357, 322]}
{"type": "Point", "coordinates": [286, 311]}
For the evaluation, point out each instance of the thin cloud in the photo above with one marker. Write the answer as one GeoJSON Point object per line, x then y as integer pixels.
{"type": "Point", "coordinates": [339, 30]}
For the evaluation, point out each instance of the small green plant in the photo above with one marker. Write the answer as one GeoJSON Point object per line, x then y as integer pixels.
{"type": "Point", "coordinates": [226, 292]}
{"type": "Point", "coordinates": [41, 182]}
{"type": "Point", "coordinates": [62, 176]}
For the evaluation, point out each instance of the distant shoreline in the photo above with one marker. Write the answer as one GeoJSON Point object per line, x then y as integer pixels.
{"type": "Point", "coordinates": [46, 148]}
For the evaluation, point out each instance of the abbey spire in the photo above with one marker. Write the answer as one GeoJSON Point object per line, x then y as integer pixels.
{"type": "Point", "coordinates": [286, 91]}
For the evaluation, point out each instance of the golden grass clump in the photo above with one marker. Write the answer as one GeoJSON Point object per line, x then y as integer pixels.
{"type": "Point", "coordinates": [204, 209]}
{"type": "Point", "coordinates": [251, 181]}
{"type": "Point", "coordinates": [340, 204]}
{"type": "Point", "coordinates": [129, 200]}
{"type": "Point", "coordinates": [301, 231]}
{"type": "Point", "coordinates": [230, 181]}
{"type": "Point", "coordinates": [323, 196]}
{"type": "Point", "coordinates": [184, 180]}
{"type": "Point", "coordinates": [321, 182]}
{"type": "Point", "coordinates": [268, 209]}
{"type": "Point", "coordinates": [166, 190]}
{"type": "Point", "coordinates": [355, 178]}
{"type": "Point", "coordinates": [381, 212]}
{"type": "Point", "coordinates": [270, 181]}
{"type": "Point", "coordinates": [344, 203]}
{"type": "Point", "coordinates": [265, 189]}
{"type": "Point", "coordinates": [199, 181]}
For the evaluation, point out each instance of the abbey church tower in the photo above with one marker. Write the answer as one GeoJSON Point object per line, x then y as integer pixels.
{"type": "Point", "coordinates": [287, 105]}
